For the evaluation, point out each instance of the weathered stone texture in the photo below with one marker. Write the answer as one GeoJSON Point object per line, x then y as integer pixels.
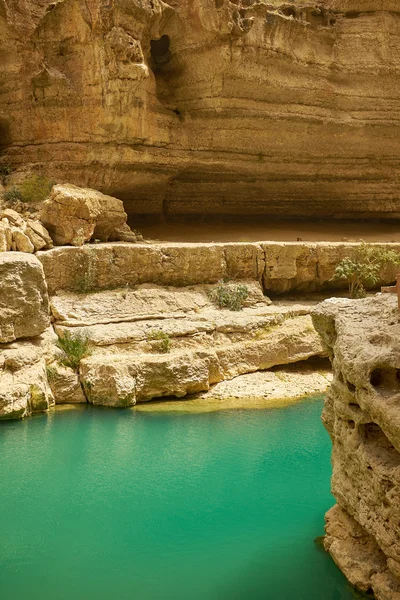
{"type": "Point", "coordinates": [24, 303]}
{"type": "Point", "coordinates": [76, 215]}
{"type": "Point", "coordinates": [362, 416]}
{"type": "Point", "coordinates": [208, 107]}
{"type": "Point", "coordinates": [280, 267]}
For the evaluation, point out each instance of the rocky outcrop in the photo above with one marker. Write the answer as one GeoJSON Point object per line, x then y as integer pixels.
{"type": "Point", "coordinates": [208, 106]}
{"type": "Point", "coordinates": [76, 215]}
{"type": "Point", "coordinates": [22, 235]}
{"type": "Point", "coordinates": [24, 303]}
{"type": "Point", "coordinates": [25, 336]}
{"type": "Point", "coordinates": [362, 416]}
{"type": "Point", "coordinates": [154, 341]}
{"type": "Point", "coordinates": [280, 267]}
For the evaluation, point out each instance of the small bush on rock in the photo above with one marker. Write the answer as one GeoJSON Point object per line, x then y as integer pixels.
{"type": "Point", "coordinates": [5, 171]}
{"type": "Point", "coordinates": [363, 269]}
{"type": "Point", "coordinates": [160, 341]}
{"type": "Point", "coordinates": [230, 296]}
{"type": "Point", "coordinates": [74, 347]}
{"type": "Point", "coordinates": [12, 196]}
{"type": "Point", "coordinates": [36, 188]}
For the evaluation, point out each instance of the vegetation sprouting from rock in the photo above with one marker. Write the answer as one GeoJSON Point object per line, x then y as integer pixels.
{"type": "Point", "coordinates": [363, 268]}
{"type": "Point", "coordinates": [160, 341]}
{"type": "Point", "coordinates": [36, 188]}
{"type": "Point", "coordinates": [13, 196]}
{"type": "Point", "coordinates": [228, 295]}
{"type": "Point", "coordinates": [74, 348]}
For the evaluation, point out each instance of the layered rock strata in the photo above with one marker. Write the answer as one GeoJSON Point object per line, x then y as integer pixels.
{"type": "Point", "coordinates": [280, 267]}
{"type": "Point", "coordinates": [25, 337]}
{"type": "Point", "coordinates": [362, 416]}
{"type": "Point", "coordinates": [208, 106]}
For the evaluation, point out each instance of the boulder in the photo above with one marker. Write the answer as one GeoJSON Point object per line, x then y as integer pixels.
{"type": "Point", "coordinates": [5, 236]}
{"type": "Point", "coordinates": [65, 385]}
{"type": "Point", "coordinates": [75, 215]}
{"type": "Point", "coordinates": [24, 387]}
{"type": "Point", "coordinates": [21, 242]}
{"type": "Point", "coordinates": [24, 303]}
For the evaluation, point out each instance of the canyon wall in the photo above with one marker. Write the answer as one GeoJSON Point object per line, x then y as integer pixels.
{"type": "Point", "coordinates": [213, 107]}
{"type": "Point", "coordinates": [362, 416]}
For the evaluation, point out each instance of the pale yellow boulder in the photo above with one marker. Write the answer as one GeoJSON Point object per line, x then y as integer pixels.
{"type": "Point", "coordinates": [65, 385]}
{"type": "Point", "coordinates": [24, 303]}
{"type": "Point", "coordinates": [75, 215]}
{"type": "Point", "coordinates": [21, 242]}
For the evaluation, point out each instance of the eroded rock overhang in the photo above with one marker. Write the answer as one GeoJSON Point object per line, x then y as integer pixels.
{"type": "Point", "coordinates": [208, 106]}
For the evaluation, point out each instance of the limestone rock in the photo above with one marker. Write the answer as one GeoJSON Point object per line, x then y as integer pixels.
{"type": "Point", "coordinates": [38, 235]}
{"type": "Point", "coordinates": [24, 387]}
{"type": "Point", "coordinates": [280, 267]}
{"type": "Point", "coordinates": [65, 385]}
{"type": "Point", "coordinates": [5, 236]}
{"type": "Point", "coordinates": [13, 217]}
{"type": "Point", "coordinates": [196, 107]}
{"type": "Point", "coordinates": [107, 384]}
{"type": "Point", "coordinates": [24, 304]}
{"type": "Point", "coordinates": [76, 215]}
{"type": "Point", "coordinates": [21, 242]}
{"type": "Point", "coordinates": [362, 417]}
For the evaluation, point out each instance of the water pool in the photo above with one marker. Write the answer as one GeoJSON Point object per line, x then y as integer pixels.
{"type": "Point", "coordinates": [112, 504]}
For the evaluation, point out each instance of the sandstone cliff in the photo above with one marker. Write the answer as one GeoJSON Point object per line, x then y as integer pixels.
{"type": "Point", "coordinates": [362, 416]}
{"type": "Point", "coordinates": [208, 106]}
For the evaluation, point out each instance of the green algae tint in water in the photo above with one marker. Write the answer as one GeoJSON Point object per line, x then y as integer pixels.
{"type": "Point", "coordinates": [113, 504]}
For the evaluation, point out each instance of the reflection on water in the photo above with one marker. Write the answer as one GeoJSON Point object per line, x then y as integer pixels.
{"type": "Point", "coordinates": [100, 504]}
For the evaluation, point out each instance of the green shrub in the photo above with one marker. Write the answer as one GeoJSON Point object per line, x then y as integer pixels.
{"type": "Point", "coordinates": [230, 296]}
{"type": "Point", "coordinates": [13, 196]}
{"type": "Point", "coordinates": [36, 188]}
{"type": "Point", "coordinates": [5, 171]}
{"type": "Point", "coordinates": [363, 268]}
{"type": "Point", "coordinates": [51, 373]}
{"type": "Point", "coordinates": [160, 341]}
{"type": "Point", "coordinates": [74, 347]}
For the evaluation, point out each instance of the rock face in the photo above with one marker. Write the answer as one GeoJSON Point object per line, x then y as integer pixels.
{"type": "Point", "coordinates": [75, 215]}
{"type": "Point", "coordinates": [208, 106]}
{"type": "Point", "coordinates": [24, 387]}
{"type": "Point", "coordinates": [362, 416]}
{"type": "Point", "coordinates": [24, 303]}
{"type": "Point", "coordinates": [279, 267]}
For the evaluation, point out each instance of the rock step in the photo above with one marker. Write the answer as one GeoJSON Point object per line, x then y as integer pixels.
{"type": "Point", "coordinates": [279, 266]}
{"type": "Point", "coordinates": [117, 377]}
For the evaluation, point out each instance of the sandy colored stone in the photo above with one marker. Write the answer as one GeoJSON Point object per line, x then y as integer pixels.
{"type": "Point", "coordinates": [75, 215]}
{"type": "Point", "coordinates": [192, 367]}
{"type": "Point", "coordinates": [40, 230]}
{"type": "Point", "coordinates": [239, 114]}
{"type": "Point", "coordinates": [21, 242]}
{"type": "Point", "coordinates": [109, 383]}
{"type": "Point", "coordinates": [362, 417]}
{"type": "Point", "coordinates": [13, 217]}
{"type": "Point", "coordinates": [280, 267]}
{"type": "Point", "coordinates": [65, 384]}
{"type": "Point", "coordinates": [24, 387]}
{"type": "Point", "coordinates": [24, 304]}
{"type": "Point", "coordinates": [5, 236]}
{"type": "Point", "coordinates": [263, 388]}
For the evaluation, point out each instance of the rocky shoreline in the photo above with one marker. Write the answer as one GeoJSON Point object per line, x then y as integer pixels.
{"type": "Point", "coordinates": [362, 417]}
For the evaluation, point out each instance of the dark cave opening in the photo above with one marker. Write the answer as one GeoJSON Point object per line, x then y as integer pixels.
{"type": "Point", "coordinates": [160, 52]}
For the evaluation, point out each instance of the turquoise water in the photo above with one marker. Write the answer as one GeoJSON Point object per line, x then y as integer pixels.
{"type": "Point", "coordinates": [113, 504]}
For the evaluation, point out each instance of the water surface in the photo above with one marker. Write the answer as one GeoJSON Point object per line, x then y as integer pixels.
{"type": "Point", "coordinates": [116, 504]}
